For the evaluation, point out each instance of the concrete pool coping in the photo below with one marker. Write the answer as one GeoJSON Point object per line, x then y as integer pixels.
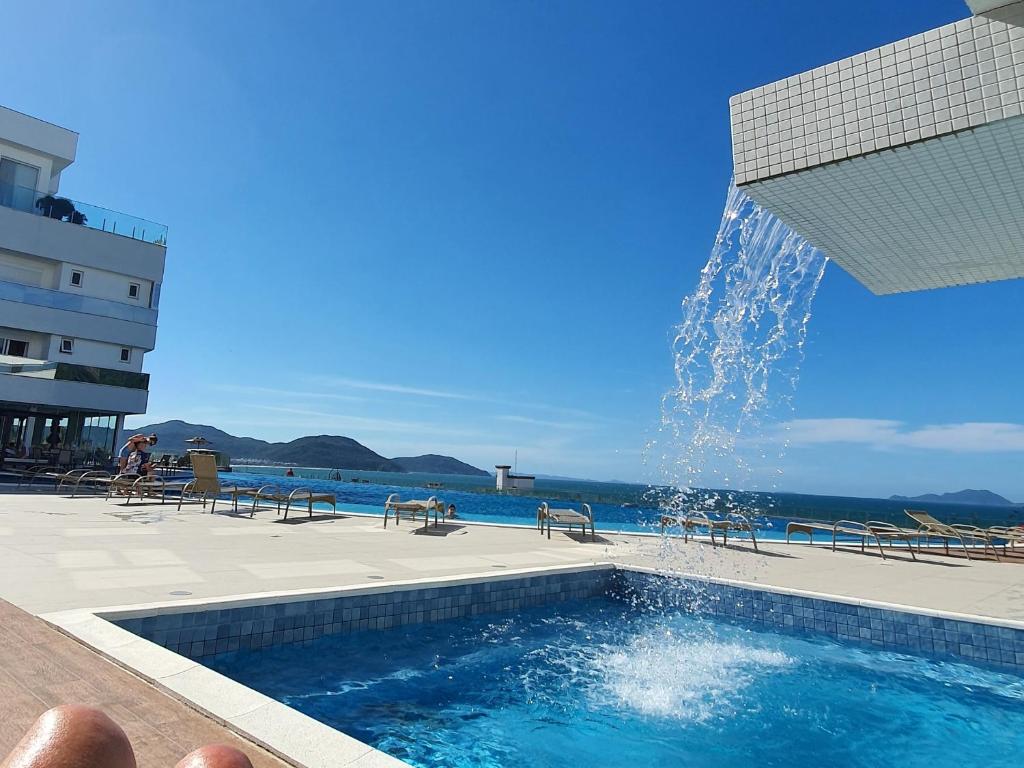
{"type": "Point", "coordinates": [278, 728]}
{"type": "Point", "coordinates": [298, 738]}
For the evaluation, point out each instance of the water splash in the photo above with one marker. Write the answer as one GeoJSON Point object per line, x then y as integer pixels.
{"type": "Point", "coordinates": [737, 354]}
{"type": "Point", "coordinates": [663, 674]}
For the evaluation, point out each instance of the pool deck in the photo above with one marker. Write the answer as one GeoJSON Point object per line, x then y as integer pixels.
{"type": "Point", "coordinates": [59, 554]}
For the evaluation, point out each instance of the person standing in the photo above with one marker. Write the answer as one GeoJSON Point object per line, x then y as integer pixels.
{"type": "Point", "coordinates": [54, 439]}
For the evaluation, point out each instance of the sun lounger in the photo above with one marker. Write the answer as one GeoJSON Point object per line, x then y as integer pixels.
{"type": "Point", "coordinates": [548, 516]}
{"type": "Point", "coordinates": [873, 530]}
{"type": "Point", "coordinates": [275, 494]}
{"type": "Point", "coordinates": [1010, 536]}
{"type": "Point", "coordinates": [88, 478]}
{"type": "Point", "coordinates": [691, 522]}
{"type": "Point", "coordinates": [133, 486]}
{"type": "Point", "coordinates": [412, 508]}
{"type": "Point", "coordinates": [930, 528]}
{"type": "Point", "coordinates": [41, 472]}
{"type": "Point", "coordinates": [206, 484]}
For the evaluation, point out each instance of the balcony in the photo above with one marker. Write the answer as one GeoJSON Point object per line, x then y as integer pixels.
{"type": "Point", "coordinates": [85, 374]}
{"type": "Point", "coordinates": [82, 214]}
{"type": "Point", "coordinates": [39, 383]}
{"type": "Point", "coordinates": [88, 305]}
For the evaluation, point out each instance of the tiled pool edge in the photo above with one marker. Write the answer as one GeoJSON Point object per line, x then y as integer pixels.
{"type": "Point", "coordinates": [884, 626]}
{"type": "Point", "coordinates": [300, 740]}
{"type": "Point", "coordinates": [287, 733]}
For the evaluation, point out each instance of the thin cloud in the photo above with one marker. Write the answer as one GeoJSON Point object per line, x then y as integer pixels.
{"type": "Point", "coordinates": [885, 434]}
{"type": "Point", "coordinates": [401, 389]}
{"type": "Point", "coordinates": [246, 389]}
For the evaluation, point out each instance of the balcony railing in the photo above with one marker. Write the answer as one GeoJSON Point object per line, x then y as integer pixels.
{"type": "Point", "coordinates": [86, 374]}
{"type": "Point", "coordinates": [90, 305]}
{"type": "Point", "coordinates": [76, 212]}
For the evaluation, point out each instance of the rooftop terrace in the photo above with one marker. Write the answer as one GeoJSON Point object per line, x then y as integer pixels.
{"type": "Point", "coordinates": [59, 554]}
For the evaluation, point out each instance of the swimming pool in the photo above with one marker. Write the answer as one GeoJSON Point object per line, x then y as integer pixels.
{"type": "Point", "coordinates": [622, 679]}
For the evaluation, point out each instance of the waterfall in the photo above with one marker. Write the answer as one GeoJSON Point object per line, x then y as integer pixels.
{"type": "Point", "coordinates": [737, 353]}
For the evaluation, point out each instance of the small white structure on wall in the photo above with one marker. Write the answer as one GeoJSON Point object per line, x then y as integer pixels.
{"type": "Point", "coordinates": [506, 481]}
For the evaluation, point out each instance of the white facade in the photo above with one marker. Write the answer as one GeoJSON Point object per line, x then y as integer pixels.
{"type": "Point", "coordinates": [903, 163]}
{"type": "Point", "coordinates": [79, 292]}
{"type": "Point", "coordinates": [506, 481]}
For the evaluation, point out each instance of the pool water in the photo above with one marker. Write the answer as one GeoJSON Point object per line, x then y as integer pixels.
{"type": "Point", "coordinates": [602, 684]}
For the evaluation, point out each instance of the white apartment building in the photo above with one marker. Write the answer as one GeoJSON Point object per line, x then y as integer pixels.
{"type": "Point", "coordinates": [79, 293]}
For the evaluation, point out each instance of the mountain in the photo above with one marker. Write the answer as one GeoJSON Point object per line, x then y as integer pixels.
{"type": "Point", "coordinates": [437, 465]}
{"type": "Point", "coordinates": [332, 451]}
{"type": "Point", "coordinates": [966, 496]}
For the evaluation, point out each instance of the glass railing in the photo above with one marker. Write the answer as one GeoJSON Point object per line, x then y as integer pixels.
{"type": "Point", "coordinates": [76, 212]}
{"type": "Point", "coordinates": [90, 305]}
{"type": "Point", "coordinates": [86, 374]}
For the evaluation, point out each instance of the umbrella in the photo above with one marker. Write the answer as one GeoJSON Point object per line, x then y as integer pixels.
{"type": "Point", "coordinates": [197, 441]}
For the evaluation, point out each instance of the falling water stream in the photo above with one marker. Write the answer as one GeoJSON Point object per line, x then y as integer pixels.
{"type": "Point", "coordinates": [737, 354]}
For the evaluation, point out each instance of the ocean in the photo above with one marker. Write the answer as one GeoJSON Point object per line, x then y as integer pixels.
{"type": "Point", "coordinates": [618, 507]}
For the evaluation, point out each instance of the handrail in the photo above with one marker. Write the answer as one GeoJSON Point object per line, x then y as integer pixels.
{"type": "Point", "coordinates": [52, 206]}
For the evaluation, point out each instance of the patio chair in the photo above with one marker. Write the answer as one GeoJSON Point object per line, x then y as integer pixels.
{"type": "Point", "coordinates": [206, 483]}
{"type": "Point", "coordinates": [412, 508]}
{"type": "Point", "coordinates": [931, 528]}
{"type": "Point", "coordinates": [548, 516]}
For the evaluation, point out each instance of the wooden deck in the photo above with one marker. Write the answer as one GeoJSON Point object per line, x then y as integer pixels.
{"type": "Point", "coordinates": [42, 668]}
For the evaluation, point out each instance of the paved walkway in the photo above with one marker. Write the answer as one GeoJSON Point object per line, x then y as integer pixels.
{"type": "Point", "coordinates": [58, 553]}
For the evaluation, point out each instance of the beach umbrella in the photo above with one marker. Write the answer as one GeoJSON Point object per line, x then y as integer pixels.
{"type": "Point", "coordinates": [198, 441]}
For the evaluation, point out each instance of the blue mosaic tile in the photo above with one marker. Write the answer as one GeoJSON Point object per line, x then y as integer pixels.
{"type": "Point", "coordinates": [878, 627]}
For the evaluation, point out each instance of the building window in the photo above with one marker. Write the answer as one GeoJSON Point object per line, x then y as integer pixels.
{"type": "Point", "coordinates": [18, 185]}
{"type": "Point", "coordinates": [67, 346]}
{"type": "Point", "coordinates": [14, 347]}
{"type": "Point", "coordinates": [76, 278]}
{"type": "Point", "coordinates": [133, 290]}
{"type": "Point", "coordinates": [126, 355]}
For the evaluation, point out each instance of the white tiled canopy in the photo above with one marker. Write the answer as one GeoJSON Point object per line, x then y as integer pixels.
{"type": "Point", "coordinates": [904, 163]}
{"type": "Point", "coordinates": [938, 213]}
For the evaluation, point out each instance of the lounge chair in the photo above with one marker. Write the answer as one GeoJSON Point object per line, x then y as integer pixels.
{"type": "Point", "coordinates": [1010, 536]}
{"type": "Point", "coordinates": [274, 493]}
{"type": "Point", "coordinates": [547, 516]}
{"type": "Point", "coordinates": [872, 530]}
{"type": "Point", "coordinates": [77, 478]}
{"type": "Point", "coordinates": [714, 524]}
{"type": "Point", "coordinates": [206, 483]}
{"type": "Point", "coordinates": [132, 485]}
{"type": "Point", "coordinates": [29, 474]}
{"type": "Point", "coordinates": [412, 508]}
{"type": "Point", "coordinates": [931, 528]}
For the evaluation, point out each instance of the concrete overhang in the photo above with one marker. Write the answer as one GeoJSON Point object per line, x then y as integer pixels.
{"type": "Point", "coordinates": [59, 144]}
{"type": "Point", "coordinates": [904, 164]}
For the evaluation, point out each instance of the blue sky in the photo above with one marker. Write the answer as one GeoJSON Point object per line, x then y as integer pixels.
{"type": "Point", "coordinates": [465, 227]}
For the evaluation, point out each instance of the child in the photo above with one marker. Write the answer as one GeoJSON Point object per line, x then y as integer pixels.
{"type": "Point", "coordinates": [138, 459]}
{"type": "Point", "coordinates": [451, 511]}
